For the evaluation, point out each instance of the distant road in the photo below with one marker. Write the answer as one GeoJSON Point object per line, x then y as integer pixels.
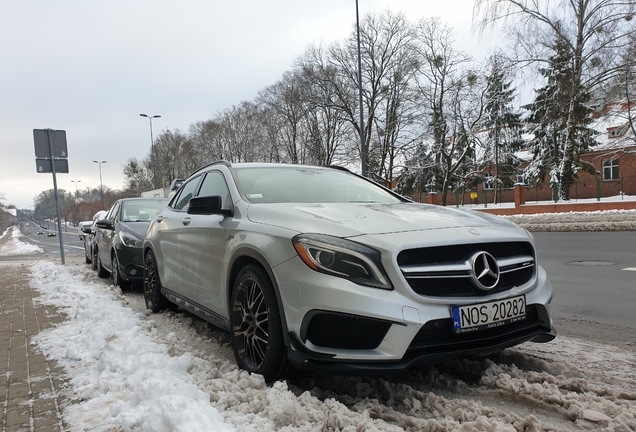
{"type": "Point", "coordinates": [50, 245]}
{"type": "Point", "coordinates": [594, 278]}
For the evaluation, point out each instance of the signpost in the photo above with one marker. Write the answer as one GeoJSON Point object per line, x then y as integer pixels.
{"type": "Point", "coordinates": [51, 156]}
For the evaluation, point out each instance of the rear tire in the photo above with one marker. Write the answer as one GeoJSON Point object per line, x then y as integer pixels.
{"type": "Point", "coordinates": [155, 300]}
{"type": "Point", "coordinates": [255, 323]}
{"type": "Point", "coordinates": [116, 276]}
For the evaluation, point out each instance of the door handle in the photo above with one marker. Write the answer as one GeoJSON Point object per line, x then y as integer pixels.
{"type": "Point", "coordinates": [186, 221]}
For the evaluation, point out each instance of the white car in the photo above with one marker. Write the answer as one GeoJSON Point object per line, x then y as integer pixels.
{"type": "Point", "coordinates": [80, 228]}
{"type": "Point", "coordinates": [322, 269]}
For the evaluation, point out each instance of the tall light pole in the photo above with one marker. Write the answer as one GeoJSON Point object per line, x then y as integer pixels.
{"type": "Point", "coordinates": [76, 182]}
{"type": "Point", "coordinates": [152, 145]}
{"type": "Point", "coordinates": [101, 186]}
{"type": "Point", "coordinates": [76, 197]}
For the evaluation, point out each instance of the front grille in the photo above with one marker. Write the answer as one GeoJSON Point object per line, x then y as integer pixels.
{"type": "Point", "coordinates": [341, 331]}
{"type": "Point", "coordinates": [446, 271]}
{"type": "Point", "coordinates": [438, 337]}
{"type": "Point", "coordinates": [455, 253]}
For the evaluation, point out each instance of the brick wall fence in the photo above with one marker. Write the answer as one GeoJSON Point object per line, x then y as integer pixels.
{"type": "Point", "coordinates": [521, 207]}
{"type": "Point", "coordinates": [587, 185]}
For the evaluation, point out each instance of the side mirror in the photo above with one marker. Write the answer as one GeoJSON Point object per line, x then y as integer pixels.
{"type": "Point", "coordinates": [208, 205]}
{"type": "Point", "coordinates": [104, 224]}
{"type": "Point", "coordinates": [176, 184]}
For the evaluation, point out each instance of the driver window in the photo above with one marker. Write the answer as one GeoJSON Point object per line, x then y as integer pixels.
{"type": "Point", "coordinates": [182, 202]}
{"type": "Point", "coordinates": [214, 184]}
{"type": "Point", "coordinates": [112, 216]}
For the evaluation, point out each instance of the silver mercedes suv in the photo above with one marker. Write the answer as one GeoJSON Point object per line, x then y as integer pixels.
{"type": "Point", "coordinates": [321, 269]}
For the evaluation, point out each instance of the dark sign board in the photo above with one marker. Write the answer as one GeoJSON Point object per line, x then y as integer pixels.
{"type": "Point", "coordinates": [44, 165]}
{"type": "Point", "coordinates": [42, 146]}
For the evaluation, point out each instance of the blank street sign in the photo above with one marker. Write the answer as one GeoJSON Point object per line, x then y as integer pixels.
{"type": "Point", "coordinates": [42, 147]}
{"type": "Point", "coordinates": [44, 166]}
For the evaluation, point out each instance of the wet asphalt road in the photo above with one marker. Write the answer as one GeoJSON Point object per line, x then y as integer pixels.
{"type": "Point", "coordinates": [593, 274]}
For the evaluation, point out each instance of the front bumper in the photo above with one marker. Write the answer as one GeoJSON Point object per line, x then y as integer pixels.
{"type": "Point", "coordinates": [338, 326]}
{"type": "Point", "coordinates": [130, 261]}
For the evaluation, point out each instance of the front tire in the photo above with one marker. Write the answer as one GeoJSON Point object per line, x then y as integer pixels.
{"type": "Point", "coordinates": [116, 276]}
{"type": "Point", "coordinates": [255, 323]}
{"type": "Point", "coordinates": [101, 271]}
{"type": "Point", "coordinates": [155, 300]}
{"type": "Point", "coordinates": [94, 261]}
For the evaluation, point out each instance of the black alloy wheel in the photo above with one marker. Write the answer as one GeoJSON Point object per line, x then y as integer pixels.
{"type": "Point", "coordinates": [257, 336]}
{"type": "Point", "coordinates": [116, 276]}
{"type": "Point", "coordinates": [155, 300]}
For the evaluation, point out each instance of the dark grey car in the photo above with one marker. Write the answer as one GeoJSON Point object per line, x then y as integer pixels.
{"type": "Point", "coordinates": [120, 236]}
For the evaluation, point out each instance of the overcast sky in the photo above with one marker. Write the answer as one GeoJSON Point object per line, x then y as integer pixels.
{"type": "Point", "coordinates": [90, 68]}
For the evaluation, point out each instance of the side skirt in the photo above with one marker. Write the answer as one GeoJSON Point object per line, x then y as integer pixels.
{"type": "Point", "coordinates": [200, 311]}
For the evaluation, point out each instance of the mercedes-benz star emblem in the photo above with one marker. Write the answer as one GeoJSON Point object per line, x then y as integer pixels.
{"type": "Point", "coordinates": [485, 271]}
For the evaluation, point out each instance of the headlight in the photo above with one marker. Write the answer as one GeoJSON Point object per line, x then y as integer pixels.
{"type": "Point", "coordinates": [130, 240]}
{"type": "Point", "coordinates": [343, 258]}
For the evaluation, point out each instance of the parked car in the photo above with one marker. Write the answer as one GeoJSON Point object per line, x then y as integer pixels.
{"type": "Point", "coordinates": [89, 238]}
{"type": "Point", "coordinates": [80, 228]}
{"type": "Point", "coordinates": [325, 270]}
{"type": "Point", "coordinates": [119, 238]}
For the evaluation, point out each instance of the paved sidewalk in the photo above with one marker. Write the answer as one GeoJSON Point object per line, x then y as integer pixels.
{"type": "Point", "coordinates": [31, 388]}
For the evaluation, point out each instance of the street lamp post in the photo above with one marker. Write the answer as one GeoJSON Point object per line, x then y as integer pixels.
{"type": "Point", "coordinates": [76, 197]}
{"type": "Point", "coordinates": [76, 182]}
{"type": "Point", "coordinates": [152, 145]}
{"type": "Point", "coordinates": [101, 186]}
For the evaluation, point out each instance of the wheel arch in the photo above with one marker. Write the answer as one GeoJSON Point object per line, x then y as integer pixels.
{"type": "Point", "coordinates": [246, 256]}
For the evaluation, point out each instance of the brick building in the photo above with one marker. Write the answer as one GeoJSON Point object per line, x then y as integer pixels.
{"type": "Point", "coordinates": [614, 160]}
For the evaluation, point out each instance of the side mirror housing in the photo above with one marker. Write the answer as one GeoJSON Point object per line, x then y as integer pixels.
{"type": "Point", "coordinates": [104, 224]}
{"type": "Point", "coordinates": [176, 184]}
{"type": "Point", "coordinates": [208, 205]}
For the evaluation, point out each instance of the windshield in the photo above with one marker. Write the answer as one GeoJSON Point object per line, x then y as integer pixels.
{"type": "Point", "coordinates": [308, 185]}
{"type": "Point", "coordinates": [142, 210]}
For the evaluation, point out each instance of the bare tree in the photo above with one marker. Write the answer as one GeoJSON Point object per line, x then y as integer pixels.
{"type": "Point", "coordinates": [453, 102]}
{"type": "Point", "coordinates": [387, 66]}
{"type": "Point", "coordinates": [207, 140]}
{"type": "Point", "coordinates": [286, 109]}
{"type": "Point", "coordinates": [175, 156]}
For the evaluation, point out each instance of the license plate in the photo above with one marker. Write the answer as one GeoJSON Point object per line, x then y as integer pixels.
{"type": "Point", "coordinates": [488, 315]}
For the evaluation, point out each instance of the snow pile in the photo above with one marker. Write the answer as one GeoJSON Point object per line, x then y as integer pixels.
{"type": "Point", "coordinates": [133, 370]}
{"type": "Point", "coordinates": [16, 247]}
{"type": "Point", "coordinates": [121, 376]}
{"type": "Point", "coordinates": [606, 220]}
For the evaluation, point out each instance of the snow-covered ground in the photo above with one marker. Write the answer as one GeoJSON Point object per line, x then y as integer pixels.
{"type": "Point", "coordinates": [132, 370]}
{"type": "Point", "coordinates": [529, 202]}
{"type": "Point", "coordinates": [608, 220]}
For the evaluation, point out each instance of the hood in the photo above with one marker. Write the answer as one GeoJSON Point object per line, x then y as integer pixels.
{"type": "Point", "coordinates": [348, 220]}
{"type": "Point", "coordinates": [139, 228]}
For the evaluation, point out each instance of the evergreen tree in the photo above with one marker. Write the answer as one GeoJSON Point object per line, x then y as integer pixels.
{"type": "Point", "coordinates": [503, 125]}
{"type": "Point", "coordinates": [553, 114]}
